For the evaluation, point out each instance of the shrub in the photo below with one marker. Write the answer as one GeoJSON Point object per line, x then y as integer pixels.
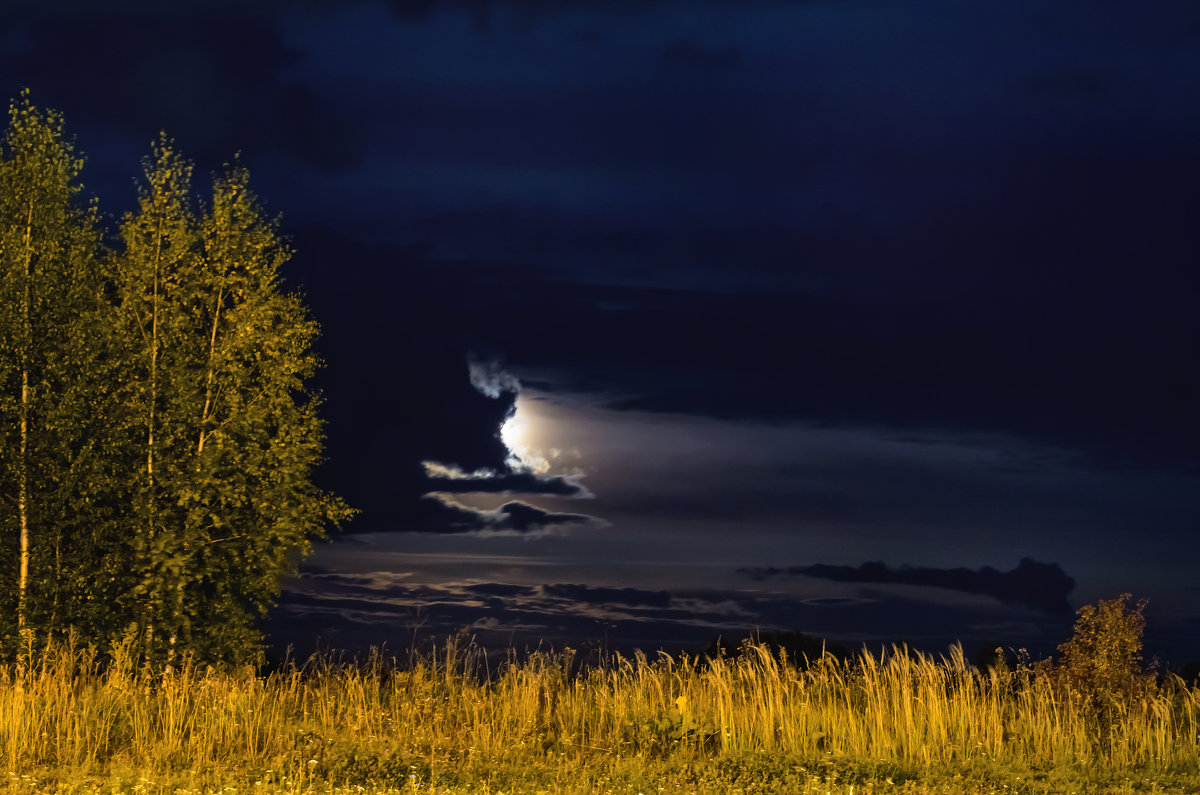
{"type": "Point", "coordinates": [1102, 662]}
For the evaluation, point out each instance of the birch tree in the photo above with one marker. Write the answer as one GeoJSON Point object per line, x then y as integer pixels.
{"type": "Point", "coordinates": [220, 356]}
{"type": "Point", "coordinates": [49, 294]}
{"type": "Point", "coordinates": [157, 434]}
{"type": "Point", "coordinates": [154, 277]}
{"type": "Point", "coordinates": [251, 507]}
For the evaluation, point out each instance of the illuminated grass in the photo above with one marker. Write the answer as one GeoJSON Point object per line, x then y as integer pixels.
{"type": "Point", "coordinates": [901, 722]}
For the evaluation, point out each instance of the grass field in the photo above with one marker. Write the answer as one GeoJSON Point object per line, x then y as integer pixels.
{"type": "Point", "coordinates": [447, 722]}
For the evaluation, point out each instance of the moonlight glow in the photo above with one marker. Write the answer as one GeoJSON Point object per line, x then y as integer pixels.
{"type": "Point", "coordinates": [519, 437]}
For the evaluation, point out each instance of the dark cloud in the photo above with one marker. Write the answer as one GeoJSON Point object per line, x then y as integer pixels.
{"type": "Point", "coordinates": [451, 516]}
{"type": "Point", "coordinates": [452, 480]}
{"type": "Point", "coordinates": [634, 597]}
{"type": "Point", "coordinates": [481, 10]}
{"type": "Point", "coordinates": [216, 84]}
{"type": "Point", "coordinates": [22, 10]}
{"type": "Point", "coordinates": [716, 221]}
{"type": "Point", "coordinates": [501, 589]}
{"type": "Point", "coordinates": [1041, 585]}
{"type": "Point", "coordinates": [1170, 23]}
{"type": "Point", "coordinates": [396, 384]}
{"type": "Point", "coordinates": [835, 601]}
{"type": "Point", "coordinates": [383, 607]}
{"type": "Point", "coordinates": [503, 615]}
{"type": "Point", "coordinates": [1065, 296]}
{"type": "Point", "coordinates": [1026, 365]}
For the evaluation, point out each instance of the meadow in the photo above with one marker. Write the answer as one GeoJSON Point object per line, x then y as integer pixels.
{"type": "Point", "coordinates": [448, 721]}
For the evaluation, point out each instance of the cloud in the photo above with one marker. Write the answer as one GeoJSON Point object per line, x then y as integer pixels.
{"type": "Point", "coordinates": [449, 479]}
{"type": "Point", "coordinates": [415, 403]}
{"type": "Point", "coordinates": [238, 9]}
{"type": "Point", "coordinates": [514, 614]}
{"type": "Point", "coordinates": [218, 86]}
{"type": "Point", "coordinates": [1110, 391]}
{"type": "Point", "coordinates": [633, 597]}
{"type": "Point", "coordinates": [490, 378]}
{"type": "Point", "coordinates": [481, 11]}
{"type": "Point", "coordinates": [417, 11]}
{"type": "Point", "coordinates": [452, 516]}
{"type": "Point", "coordinates": [439, 471]}
{"type": "Point", "coordinates": [1041, 585]}
{"type": "Point", "coordinates": [500, 589]}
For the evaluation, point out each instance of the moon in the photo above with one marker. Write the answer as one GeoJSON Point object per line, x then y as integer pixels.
{"type": "Point", "coordinates": [520, 437]}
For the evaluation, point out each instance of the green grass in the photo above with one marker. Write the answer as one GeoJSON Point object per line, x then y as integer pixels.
{"type": "Point", "coordinates": [757, 722]}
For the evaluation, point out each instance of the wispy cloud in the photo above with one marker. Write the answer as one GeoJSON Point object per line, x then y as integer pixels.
{"type": "Point", "coordinates": [449, 479]}
{"type": "Point", "coordinates": [512, 517]}
{"type": "Point", "coordinates": [490, 378]}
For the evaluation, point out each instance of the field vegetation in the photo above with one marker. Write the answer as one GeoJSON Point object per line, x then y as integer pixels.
{"type": "Point", "coordinates": [755, 721]}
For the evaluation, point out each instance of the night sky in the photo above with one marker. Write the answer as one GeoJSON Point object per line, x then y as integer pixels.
{"type": "Point", "coordinates": [866, 319]}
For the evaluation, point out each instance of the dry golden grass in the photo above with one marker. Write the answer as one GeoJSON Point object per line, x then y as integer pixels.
{"type": "Point", "coordinates": [757, 722]}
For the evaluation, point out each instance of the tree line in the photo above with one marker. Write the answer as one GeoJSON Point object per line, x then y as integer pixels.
{"type": "Point", "coordinates": [157, 438]}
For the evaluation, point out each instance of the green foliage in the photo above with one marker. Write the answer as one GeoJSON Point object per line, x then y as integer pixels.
{"type": "Point", "coordinates": [679, 724]}
{"type": "Point", "coordinates": [1103, 659]}
{"type": "Point", "coordinates": [50, 297]}
{"type": "Point", "coordinates": [1101, 665]}
{"type": "Point", "coordinates": [157, 439]}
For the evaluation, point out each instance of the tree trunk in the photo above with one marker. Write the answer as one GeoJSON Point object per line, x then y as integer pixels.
{"type": "Point", "coordinates": [23, 465]}
{"type": "Point", "coordinates": [208, 378]}
{"type": "Point", "coordinates": [153, 389]}
{"type": "Point", "coordinates": [151, 514]}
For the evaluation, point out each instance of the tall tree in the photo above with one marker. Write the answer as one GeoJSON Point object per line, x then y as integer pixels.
{"type": "Point", "coordinates": [252, 508]}
{"type": "Point", "coordinates": [219, 359]}
{"type": "Point", "coordinates": [157, 439]}
{"type": "Point", "coordinates": [154, 279]}
{"type": "Point", "coordinates": [49, 291]}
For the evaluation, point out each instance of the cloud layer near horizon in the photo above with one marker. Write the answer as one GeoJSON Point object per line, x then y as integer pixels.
{"type": "Point", "coordinates": [376, 608]}
{"type": "Point", "coordinates": [515, 516]}
{"type": "Point", "coordinates": [1041, 585]}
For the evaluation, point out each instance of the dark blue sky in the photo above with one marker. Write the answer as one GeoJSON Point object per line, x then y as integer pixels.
{"type": "Point", "coordinates": [772, 287]}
